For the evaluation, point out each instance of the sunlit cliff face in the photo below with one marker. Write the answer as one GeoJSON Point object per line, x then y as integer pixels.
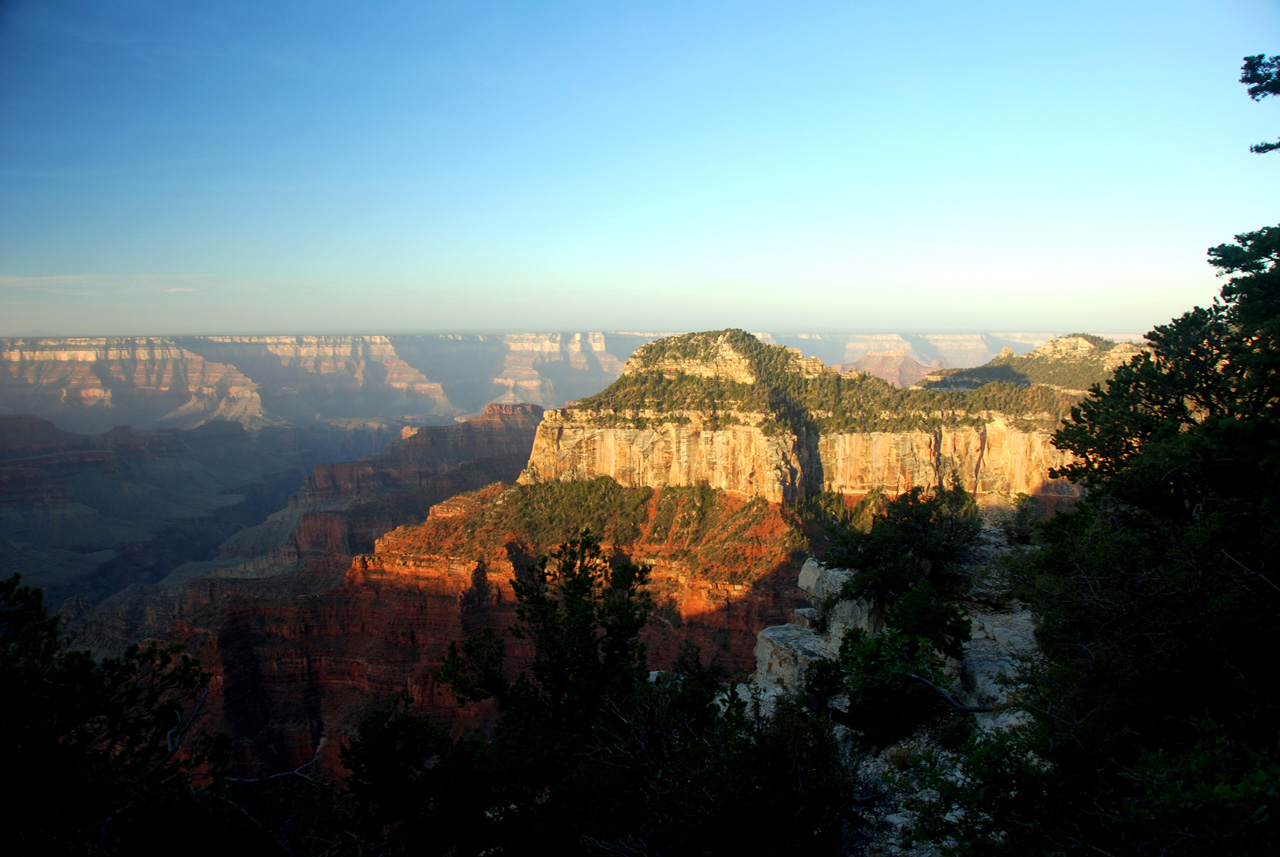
{"type": "Point", "coordinates": [745, 453]}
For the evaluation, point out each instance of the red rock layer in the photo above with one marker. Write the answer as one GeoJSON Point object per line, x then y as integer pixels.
{"type": "Point", "coordinates": [345, 506]}
{"type": "Point", "coordinates": [290, 667]}
{"type": "Point", "coordinates": [894, 366]}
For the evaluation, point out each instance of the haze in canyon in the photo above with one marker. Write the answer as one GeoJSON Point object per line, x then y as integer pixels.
{"type": "Point", "coordinates": [384, 490]}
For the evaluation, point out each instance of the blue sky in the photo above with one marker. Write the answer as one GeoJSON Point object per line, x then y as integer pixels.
{"type": "Point", "coordinates": [178, 167]}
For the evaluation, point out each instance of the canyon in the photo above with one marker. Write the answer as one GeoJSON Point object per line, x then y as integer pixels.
{"type": "Point", "coordinates": [87, 515]}
{"type": "Point", "coordinates": [304, 653]}
{"type": "Point", "coordinates": [352, 589]}
{"type": "Point", "coordinates": [90, 385]}
{"type": "Point", "coordinates": [124, 458]}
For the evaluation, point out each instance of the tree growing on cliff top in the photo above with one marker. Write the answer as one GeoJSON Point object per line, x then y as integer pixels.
{"type": "Point", "coordinates": [583, 616]}
{"type": "Point", "coordinates": [1156, 710]}
{"type": "Point", "coordinates": [906, 561]}
{"type": "Point", "coordinates": [1262, 75]}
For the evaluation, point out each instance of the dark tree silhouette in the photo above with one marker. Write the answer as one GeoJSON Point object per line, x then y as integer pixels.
{"type": "Point", "coordinates": [1262, 75]}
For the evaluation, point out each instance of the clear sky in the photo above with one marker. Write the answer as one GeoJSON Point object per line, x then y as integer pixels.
{"type": "Point", "coordinates": [185, 167]}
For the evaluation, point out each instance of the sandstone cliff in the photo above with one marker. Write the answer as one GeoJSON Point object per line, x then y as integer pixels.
{"type": "Point", "coordinates": [572, 445]}
{"type": "Point", "coordinates": [727, 412]}
{"type": "Point", "coordinates": [992, 459]}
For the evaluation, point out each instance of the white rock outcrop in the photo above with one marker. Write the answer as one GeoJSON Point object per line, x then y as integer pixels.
{"type": "Point", "coordinates": [1001, 641]}
{"type": "Point", "coordinates": [783, 652]}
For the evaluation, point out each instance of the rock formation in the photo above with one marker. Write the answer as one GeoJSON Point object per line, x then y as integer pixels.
{"type": "Point", "coordinates": [894, 366]}
{"type": "Point", "coordinates": [948, 349]}
{"type": "Point", "coordinates": [311, 618]}
{"type": "Point", "coordinates": [1001, 640]}
{"type": "Point", "coordinates": [308, 652]}
{"type": "Point", "coordinates": [343, 507]}
{"type": "Point", "coordinates": [743, 449]}
{"type": "Point", "coordinates": [784, 652]}
{"type": "Point", "coordinates": [1072, 363]}
{"type": "Point", "coordinates": [89, 384]}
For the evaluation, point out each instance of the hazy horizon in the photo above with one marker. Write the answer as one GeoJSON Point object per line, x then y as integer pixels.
{"type": "Point", "coordinates": [168, 169]}
{"type": "Point", "coordinates": [780, 332]}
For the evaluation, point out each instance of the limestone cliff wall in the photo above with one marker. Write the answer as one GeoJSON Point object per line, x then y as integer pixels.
{"type": "Point", "coordinates": [93, 383]}
{"type": "Point", "coordinates": [992, 459]}
{"type": "Point", "coordinates": [574, 445]}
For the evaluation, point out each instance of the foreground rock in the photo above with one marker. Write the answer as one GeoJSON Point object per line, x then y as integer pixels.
{"type": "Point", "coordinates": [1001, 644]}
{"type": "Point", "coordinates": [1002, 636]}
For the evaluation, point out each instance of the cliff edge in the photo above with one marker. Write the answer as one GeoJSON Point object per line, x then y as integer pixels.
{"type": "Point", "coordinates": [725, 410]}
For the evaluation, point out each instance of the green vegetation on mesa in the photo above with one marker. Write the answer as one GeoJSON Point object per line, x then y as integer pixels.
{"type": "Point", "coordinates": [1075, 372]}
{"type": "Point", "coordinates": [791, 402]}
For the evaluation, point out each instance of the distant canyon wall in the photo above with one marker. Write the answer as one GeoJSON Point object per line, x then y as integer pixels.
{"type": "Point", "coordinates": [88, 515]}
{"type": "Point", "coordinates": [952, 350]}
{"type": "Point", "coordinates": [988, 460]}
{"type": "Point", "coordinates": [90, 384]}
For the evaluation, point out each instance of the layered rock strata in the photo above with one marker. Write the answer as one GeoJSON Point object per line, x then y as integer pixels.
{"type": "Point", "coordinates": [89, 384]}
{"type": "Point", "coordinates": [775, 454]}
{"type": "Point", "coordinates": [343, 507]}
{"type": "Point", "coordinates": [305, 654]}
{"type": "Point", "coordinates": [994, 459]}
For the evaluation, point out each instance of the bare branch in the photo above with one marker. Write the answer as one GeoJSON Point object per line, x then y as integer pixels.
{"type": "Point", "coordinates": [1248, 570]}
{"type": "Point", "coordinates": [296, 772]}
{"type": "Point", "coordinates": [948, 697]}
